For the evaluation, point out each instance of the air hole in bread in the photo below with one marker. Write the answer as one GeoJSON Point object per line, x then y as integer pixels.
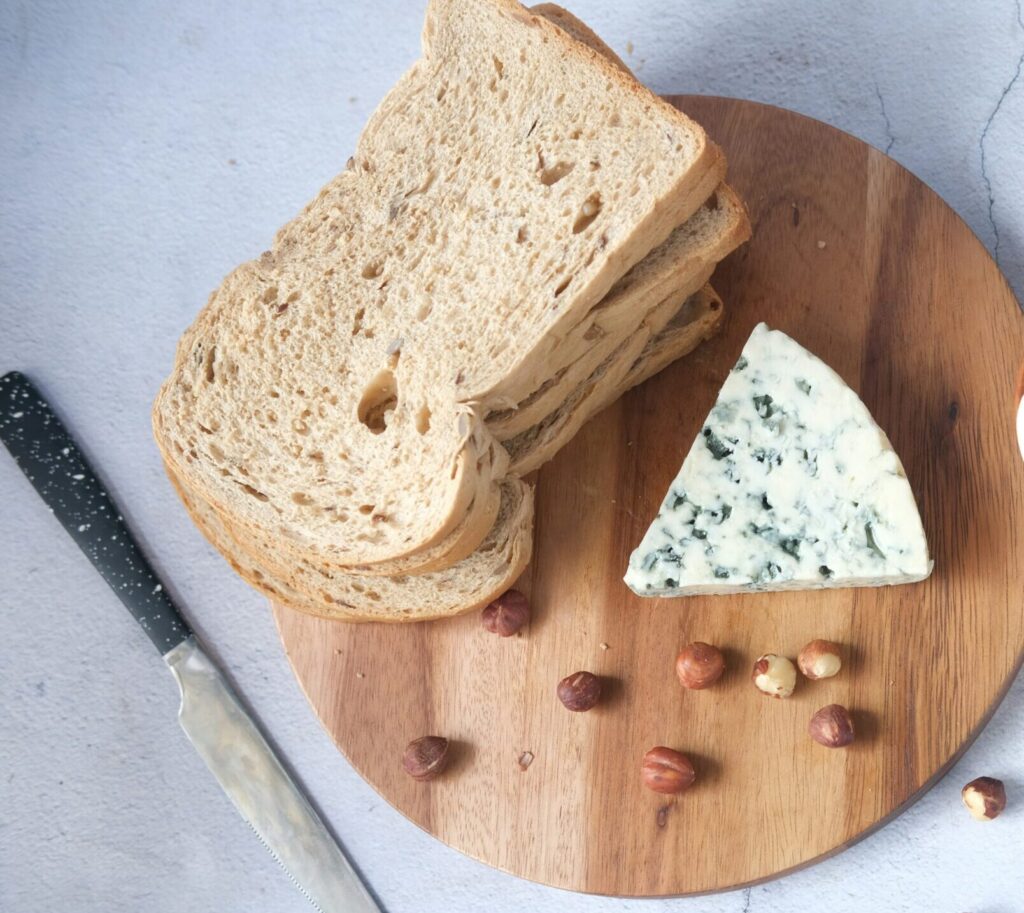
{"type": "Point", "coordinates": [555, 173]}
{"type": "Point", "coordinates": [521, 234]}
{"type": "Point", "coordinates": [357, 321]}
{"type": "Point", "coordinates": [562, 286]}
{"type": "Point", "coordinates": [499, 67]}
{"type": "Point", "coordinates": [440, 94]}
{"type": "Point", "coordinates": [249, 490]}
{"type": "Point", "coordinates": [208, 365]}
{"type": "Point", "coordinates": [373, 269]}
{"type": "Point", "coordinates": [379, 398]}
{"type": "Point", "coordinates": [274, 394]}
{"type": "Point", "coordinates": [595, 166]}
{"type": "Point", "coordinates": [300, 427]}
{"type": "Point", "coordinates": [588, 212]}
{"type": "Point", "coordinates": [217, 453]}
{"type": "Point", "coordinates": [615, 120]}
{"type": "Point", "coordinates": [270, 295]}
{"type": "Point", "coordinates": [423, 311]}
{"type": "Point", "coordinates": [503, 96]}
{"type": "Point", "coordinates": [423, 419]}
{"type": "Point", "coordinates": [559, 100]}
{"type": "Point", "coordinates": [302, 499]}
{"type": "Point", "coordinates": [272, 418]}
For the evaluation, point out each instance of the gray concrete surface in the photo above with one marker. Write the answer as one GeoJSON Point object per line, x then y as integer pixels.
{"type": "Point", "coordinates": [148, 147]}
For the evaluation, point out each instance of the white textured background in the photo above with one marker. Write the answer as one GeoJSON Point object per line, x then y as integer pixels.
{"type": "Point", "coordinates": [146, 148]}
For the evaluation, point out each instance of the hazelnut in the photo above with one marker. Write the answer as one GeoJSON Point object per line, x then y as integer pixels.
{"type": "Point", "coordinates": [774, 675]}
{"type": "Point", "coordinates": [667, 771]}
{"type": "Point", "coordinates": [984, 797]}
{"type": "Point", "coordinates": [699, 665]}
{"type": "Point", "coordinates": [819, 659]}
{"type": "Point", "coordinates": [507, 614]}
{"type": "Point", "coordinates": [579, 691]}
{"type": "Point", "coordinates": [426, 757]}
{"type": "Point", "coordinates": [832, 726]}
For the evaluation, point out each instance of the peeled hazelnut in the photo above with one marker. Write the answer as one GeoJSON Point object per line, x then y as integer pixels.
{"type": "Point", "coordinates": [579, 691]}
{"type": "Point", "coordinates": [426, 757]}
{"type": "Point", "coordinates": [667, 771]}
{"type": "Point", "coordinates": [507, 614]}
{"type": "Point", "coordinates": [984, 797]}
{"type": "Point", "coordinates": [832, 726]}
{"type": "Point", "coordinates": [774, 675]}
{"type": "Point", "coordinates": [699, 665]}
{"type": "Point", "coordinates": [819, 659]}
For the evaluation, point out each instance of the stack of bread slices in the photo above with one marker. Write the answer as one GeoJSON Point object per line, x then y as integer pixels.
{"type": "Point", "coordinates": [523, 233]}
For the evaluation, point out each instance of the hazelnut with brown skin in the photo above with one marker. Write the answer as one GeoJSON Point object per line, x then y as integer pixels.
{"type": "Point", "coordinates": [699, 665]}
{"type": "Point", "coordinates": [425, 758]}
{"type": "Point", "coordinates": [985, 798]}
{"type": "Point", "coordinates": [579, 691]}
{"type": "Point", "coordinates": [774, 675]}
{"type": "Point", "coordinates": [819, 659]}
{"type": "Point", "coordinates": [832, 726]}
{"type": "Point", "coordinates": [507, 614]}
{"type": "Point", "coordinates": [667, 771]}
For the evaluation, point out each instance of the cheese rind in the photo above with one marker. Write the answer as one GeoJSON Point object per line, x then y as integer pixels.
{"type": "Point", "coordinates": [790, 485]}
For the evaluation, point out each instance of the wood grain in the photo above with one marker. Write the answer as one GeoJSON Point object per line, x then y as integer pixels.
{"type": "Point", "coordinates": [869, 269]}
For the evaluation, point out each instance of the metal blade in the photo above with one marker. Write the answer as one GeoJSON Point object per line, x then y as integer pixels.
{"type": "Point", "coordinates": [247, 769]}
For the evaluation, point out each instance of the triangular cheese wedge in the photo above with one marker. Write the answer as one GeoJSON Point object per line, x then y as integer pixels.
{"type": "Point", "coordinates": [790, 485]}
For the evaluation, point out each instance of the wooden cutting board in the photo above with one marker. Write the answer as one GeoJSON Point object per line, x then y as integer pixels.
{"type": "Point", "coordinates": [864, 265]}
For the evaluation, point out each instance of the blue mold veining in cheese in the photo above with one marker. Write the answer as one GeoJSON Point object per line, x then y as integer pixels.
{"type": "Point", "coordinates": [790, 485]}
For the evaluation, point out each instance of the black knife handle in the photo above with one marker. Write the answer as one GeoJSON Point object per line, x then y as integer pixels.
{"type": "Point", "coordinates": [47, 454]}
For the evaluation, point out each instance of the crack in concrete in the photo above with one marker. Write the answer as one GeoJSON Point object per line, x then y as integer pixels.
{"type": "Point", "coordinates": [984, 133]}
{"type": "Point", "coordinates": [746, 900]}
{"type": "Point", "coordinates": [885, 117]}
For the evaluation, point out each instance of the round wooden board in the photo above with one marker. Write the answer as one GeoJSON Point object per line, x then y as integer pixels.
{"type": "Point", "coordinates": [864, 265]}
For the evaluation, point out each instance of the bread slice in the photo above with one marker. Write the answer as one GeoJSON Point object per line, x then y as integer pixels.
{"type": "Point", "coordinates": [579, 30]}
{"type": "Point", "coordinates": [467, 585]}
{"type": "Point", "coordinates": [678, 268]}
{"type": "Point", "coordinates": [331, 395]}
{"type": "Point", "coordinates": [700, 316]}
{"type": "Point", "coordinates": [697, 320]}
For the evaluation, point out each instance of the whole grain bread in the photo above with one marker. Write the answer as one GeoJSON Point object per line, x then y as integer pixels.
{"type": "Point", "coordinates": [471, 583]}
{"type": "Point", "coordinates": [331, 395]}
{"type": "Point", "coordinates": [467, 585]}
{"type": "Point", "coordinates": [676, 269]}
{"type": "Point", "coordinates": [691, 323]}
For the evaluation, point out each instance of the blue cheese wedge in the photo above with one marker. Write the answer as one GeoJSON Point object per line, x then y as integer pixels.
{"type": "Point", "coordinates": [790, 485]}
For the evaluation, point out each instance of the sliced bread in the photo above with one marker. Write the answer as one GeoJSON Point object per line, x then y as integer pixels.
{"type": "Point", "coordinates": [678, 268]}
{"type": "Point", "coordinates": [699, 319]}
{"type": "Point", "coordinates": [331, 394]}
{"type": "Point", "coordinates": [467, 585]}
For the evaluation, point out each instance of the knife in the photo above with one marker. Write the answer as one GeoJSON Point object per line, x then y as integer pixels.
{"type": "Point", "coordinates": [211, 713]}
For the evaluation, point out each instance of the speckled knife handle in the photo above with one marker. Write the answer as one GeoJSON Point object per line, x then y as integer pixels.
{"type": "Point", "coordinates": [47, 454]}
